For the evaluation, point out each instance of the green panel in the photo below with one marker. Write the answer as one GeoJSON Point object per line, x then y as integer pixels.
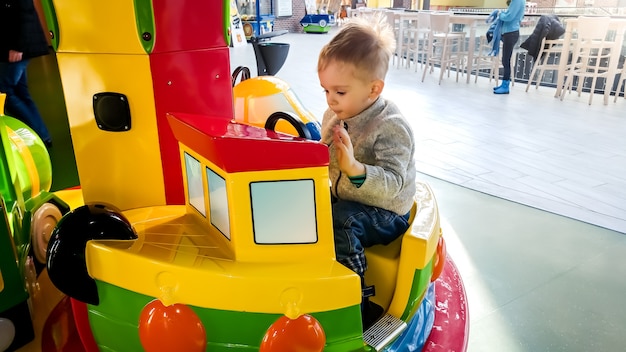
{"type": "Point", "coordinates": [226, 22]}
{"type": "Point", "coordinates": [7, 188]}
{"type": "Point", "coordinates": [145, 24]}
{"type": "Point", "coordinates": [14, 290]}
{"type": "Point", "coordinates": [115, 325]}
{"type": "Point", "coordinates": [37, 151]}
{"type": "Point", "coordinates": [421, 280]}
{"type": "Point", "coordinates": [51, 20]}
{"type": "Point", "coordinates": [21, 240]}
{"type": "Point", "coordinates": [44, 81]}
{"type": "Point", "coordinates": [313, 28]}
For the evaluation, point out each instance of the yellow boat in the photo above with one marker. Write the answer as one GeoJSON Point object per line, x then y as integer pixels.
{"type": "Point", "coordinates": [252, 243]}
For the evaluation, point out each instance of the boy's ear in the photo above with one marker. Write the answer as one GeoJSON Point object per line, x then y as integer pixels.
{"type": "Point", "coordinates": [376, 88]}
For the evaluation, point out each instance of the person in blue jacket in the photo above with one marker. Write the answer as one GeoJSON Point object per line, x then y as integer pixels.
{"type": "Point", "coordinates": [510, 23]}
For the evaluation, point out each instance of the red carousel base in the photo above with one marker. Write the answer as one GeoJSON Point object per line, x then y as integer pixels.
{"type": "Point", "coordinates": [450, 330]}
{"type": "Point", "coordinates": [451, 327]}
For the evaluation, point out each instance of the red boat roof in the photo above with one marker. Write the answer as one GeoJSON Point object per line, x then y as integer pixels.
{"type": "Point", "coordinates": [235, 147]}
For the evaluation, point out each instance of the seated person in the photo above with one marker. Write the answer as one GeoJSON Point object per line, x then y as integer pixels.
{"type": "Point", "coordinates": [371, 145]}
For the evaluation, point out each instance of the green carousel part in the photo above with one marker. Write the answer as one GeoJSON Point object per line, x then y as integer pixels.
{"type": "Point", "coordinates": [31, 158]}
{"type": "Point", "coordinates": [116, 326]}
{"type": "Point", "coordinates": [314, 28]}
{"type": "Point", "coordinates": [144, 16]}
{"type": "Point", "coordinates": [51, 20]}
{"type": "Point", "coordinates": [12, 288]}
{"type": "Point", "coordinates": [421, 280]}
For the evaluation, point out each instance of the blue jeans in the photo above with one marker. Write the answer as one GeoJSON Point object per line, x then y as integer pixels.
{"type": "Point", "coordinates": [18, 103]}
{"type": "Point", "coordinates": [357, 226]}
{"type": "Point", "coordinates": [508, 43]}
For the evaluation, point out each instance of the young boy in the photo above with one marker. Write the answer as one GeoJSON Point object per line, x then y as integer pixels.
{"type": "Point", "coordinates": [371, 145]}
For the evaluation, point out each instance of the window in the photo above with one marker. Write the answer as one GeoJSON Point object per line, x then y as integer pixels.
{"type": "Point", "coordinates": [283, 212]}
{"type": "Point", "coordinates": [218, 202]}
{"type": "Point", "coordinates": [195, 191]}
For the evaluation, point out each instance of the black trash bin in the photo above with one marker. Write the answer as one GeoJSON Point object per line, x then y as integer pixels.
{"type": "Point", "coordinates": [270, 57]}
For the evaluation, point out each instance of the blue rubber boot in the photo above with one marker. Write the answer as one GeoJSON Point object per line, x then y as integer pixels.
{"type": "Point", "coordinates": [498, 86]}
{"type": "Point", "coordinates": [503, 89]}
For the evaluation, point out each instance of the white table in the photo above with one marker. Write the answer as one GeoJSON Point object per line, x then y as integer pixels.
{"type": "Point", "coordinates": [470, 21]}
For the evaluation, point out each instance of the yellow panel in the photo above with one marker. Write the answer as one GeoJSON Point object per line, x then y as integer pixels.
{"type": "Point", "coordinates": [175, 264]}
{"type": "Point", "coordinates": [73, 197]}
{"type": "Point", "coordinates": [221, 240]}
{"type": "Point", "coordinates": [97, 26]}
{"type": "Point", "coordinates": [241, 224]}
{"type": "Point", "coordinates": [380, 3]}
{"type": "Point", "coordinates": [419, 245]}
{"type": "Point", "coordinates": [392, 267]}
{"type": "Point", "coordinates": [242, 238]}
{"type": "Point", "coordinates": [119, 168]}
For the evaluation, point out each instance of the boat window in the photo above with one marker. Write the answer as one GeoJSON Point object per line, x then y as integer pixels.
{"type": "Point", "coordinates": [195, 191]}
{"type": "Point", "coordinates": [218, 202]}
{"type": "Point", "coordinates": [283, 212]}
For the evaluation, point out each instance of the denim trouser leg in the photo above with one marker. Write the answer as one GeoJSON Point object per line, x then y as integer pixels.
{"type": "Point", "coordinates": [508, 44]}
{"type": "Point", "coordinates": [357, 226]}
{"type": "Point", "coordinates": [19, 103]}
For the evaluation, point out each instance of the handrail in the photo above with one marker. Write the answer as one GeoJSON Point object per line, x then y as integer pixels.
{"type": "Point", "coordinates": [561, 11]}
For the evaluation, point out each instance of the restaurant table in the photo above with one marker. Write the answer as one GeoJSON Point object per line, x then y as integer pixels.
{"type": "Point", "coordinates": [405, 18]}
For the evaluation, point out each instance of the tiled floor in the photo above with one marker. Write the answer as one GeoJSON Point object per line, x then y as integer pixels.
{"type": "Point", "coordinates": [536, 281]}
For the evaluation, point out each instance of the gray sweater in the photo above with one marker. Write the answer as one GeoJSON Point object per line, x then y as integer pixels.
{"type": "Point", "coordinates": [383, 141]}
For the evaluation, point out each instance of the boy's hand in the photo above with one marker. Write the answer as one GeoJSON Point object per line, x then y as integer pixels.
{"type": "Point", "coordinates": [345, 153]}
{"type": "Point", "coordinates": [15, 56]}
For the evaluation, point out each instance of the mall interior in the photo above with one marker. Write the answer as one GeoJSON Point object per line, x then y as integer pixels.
{"type": "Point", "coordinates": [530, 185]}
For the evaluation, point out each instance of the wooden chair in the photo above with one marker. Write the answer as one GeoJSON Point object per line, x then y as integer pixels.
{"type": "Point", "coordinates": [407, 23]}
{"type": "Point", "coordinates": [484, 61]}
{"type": "Point", "coordinates": [393, 20]}
{"type": "Point", "coordinates": [420, 34]}
{"type": "Point", "coordinates": [591, 54]}
{"type": "Point", "coordinates": [548, 59]}
{"type": "Point", "coordinates": [447, 46]}
{"type": "Point", "coordinates": [621, 80]}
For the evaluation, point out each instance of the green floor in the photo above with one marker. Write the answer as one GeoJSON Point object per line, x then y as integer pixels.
{"type": "Point", "coordinates": [46, 89]}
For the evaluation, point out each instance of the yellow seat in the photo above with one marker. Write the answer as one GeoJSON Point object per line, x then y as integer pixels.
{"type": "Point", "coordinates": [382, 272]}
{"type": "Point", "coordinates": [395, 268]}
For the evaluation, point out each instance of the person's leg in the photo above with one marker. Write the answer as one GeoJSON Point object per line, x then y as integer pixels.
{"type": "Point", "coordinates": [19, 103]}
{"type": "Point", "coordinates": [508, 43]}
{"type": "Point", "coordinates": [10, 73]}
{"type": "Point", "coordinates": [357, 226]}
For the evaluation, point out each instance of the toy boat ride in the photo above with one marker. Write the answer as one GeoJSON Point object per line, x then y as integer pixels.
{"type": "Point", "coordinates": [251, 247]}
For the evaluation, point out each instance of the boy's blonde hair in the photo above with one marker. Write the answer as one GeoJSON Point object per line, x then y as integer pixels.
{"type": "Point", "coordinates": [365, 42]}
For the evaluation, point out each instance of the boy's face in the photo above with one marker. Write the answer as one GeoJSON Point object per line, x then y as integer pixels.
{"type": "Point", "coordinates": [346, 94]}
